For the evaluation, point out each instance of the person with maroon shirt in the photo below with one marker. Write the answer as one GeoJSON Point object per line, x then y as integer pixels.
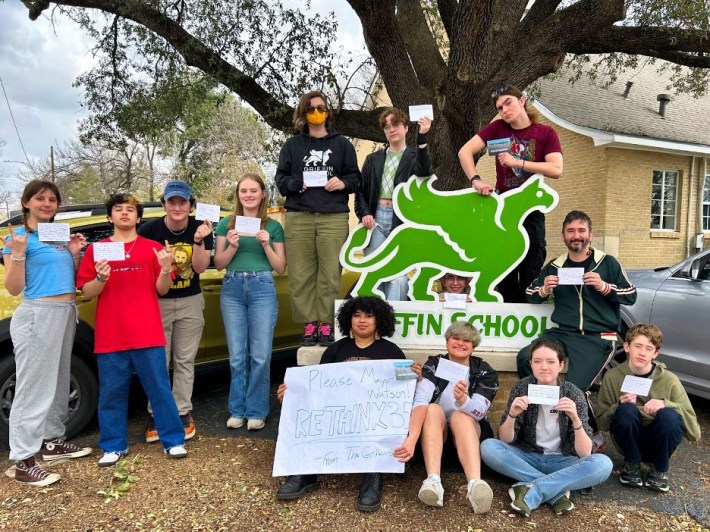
{"type": "Point", "coordinates": [534, 149]}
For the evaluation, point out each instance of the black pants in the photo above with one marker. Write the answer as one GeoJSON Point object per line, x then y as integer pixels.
{"type": "Point", "coordinates": [513, 286]}
{"type": "Point", "coordinates": [654, 443]}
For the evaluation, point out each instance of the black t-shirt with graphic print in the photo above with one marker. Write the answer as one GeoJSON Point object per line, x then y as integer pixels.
{"type": "Point", "coordinates": [185, 282]}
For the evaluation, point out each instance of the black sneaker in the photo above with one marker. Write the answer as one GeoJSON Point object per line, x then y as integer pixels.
{"type": "Point", "coordinates": [296, 486]}
{"type": "Point", "coordinates": [631, 475]}
{"type": "Point", "coordinates": [310, 334]}
{"type": "Point", "coordinates": [325, 334]}
{"type": "Point", "coordinates": [188, 424]}
{"type": "Point", "coordinates": [151, 433]}
{"type": "Point", "coordinates": [370, 497]}
{"type": "Point", "coordinates": [658, 480]}
{"type": "Point", "coordinates": [57, 448]}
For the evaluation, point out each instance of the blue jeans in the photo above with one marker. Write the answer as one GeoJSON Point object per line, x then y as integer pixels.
{"type": "Point", "coordinates": [654, 443]}
{"type": "Point", "coordinates": [115, 371]}
{"type": "Point", "coordinates": [548, 475]}
{"type": "Point", "coordinates": [249, 309]}
{"type": "Point", "coordinates": [396, 289]}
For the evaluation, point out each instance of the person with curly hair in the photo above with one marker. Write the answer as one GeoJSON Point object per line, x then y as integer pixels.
{"type": "Point", "coordinates": [363, 321]}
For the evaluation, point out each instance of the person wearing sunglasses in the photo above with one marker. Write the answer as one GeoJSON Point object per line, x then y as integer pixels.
{"type": "Point", "coordinates": [382, 171]}
{"type": "Point", "coordinates": [316, 172]}
{"type": "Point", "coordinates": [530, 148]}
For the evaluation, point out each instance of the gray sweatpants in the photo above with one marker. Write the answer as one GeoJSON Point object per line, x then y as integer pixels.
{"type": "Point", "coordinates": [42, 333]}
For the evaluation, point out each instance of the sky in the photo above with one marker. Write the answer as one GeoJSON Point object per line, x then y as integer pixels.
{"type": "Point", "coordinates": [38, 64]}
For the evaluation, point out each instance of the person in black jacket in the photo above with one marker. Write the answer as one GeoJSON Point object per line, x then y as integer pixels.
{"type": "Point", "coordinates": [384, 170]}
{"type": "Point", "coordinates": [317, 170]}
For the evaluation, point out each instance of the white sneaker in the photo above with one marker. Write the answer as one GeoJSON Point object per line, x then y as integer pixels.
{"type": "Point", "coordinates": [432, 492]}
{"type": "Point", "coordinates": [110, 459]}
{"type": "Point", "coordinates": [480, 496]}
{"type": "Point", "coordinates": [235, 422]}
{"type": "Point", "coordinates": [178, 451]}
{"type": "Point", "coordinates": [255, 424]}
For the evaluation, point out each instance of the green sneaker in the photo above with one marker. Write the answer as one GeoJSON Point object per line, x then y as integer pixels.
{"type": "Point", "coordinates": [658, 480]}
{"type": "Point", "coordinates": [517, 494]}
{"type": "Point", "coordinates": [631, 475]}
{"type": "Point", "coordinates": [563, 505]}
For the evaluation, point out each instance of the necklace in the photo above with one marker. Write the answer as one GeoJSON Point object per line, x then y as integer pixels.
{"type": "Point", "coordinates": [128, 253]}
{"type": "Point", "coordinates": [519, 138]}
{"type": "Point", "coordinates": [173, 232]}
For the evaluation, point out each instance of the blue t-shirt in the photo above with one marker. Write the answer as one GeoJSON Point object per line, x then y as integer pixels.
{"type": "Point", "coordinates": [49, 266]}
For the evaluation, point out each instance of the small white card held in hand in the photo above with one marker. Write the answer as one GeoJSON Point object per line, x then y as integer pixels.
{"type": "Point", "coordinates": [542, 394]}
{"type": "Point", "coordinates": [420, 111]}
{"type": "Point", "coordinates": [570, 276]}
{"type": "Point", "coordinates": [451, 371]}
{"type": "Point", "coordinates": [315, 178]}
{"type": "Point", "coordinates": [109, 251]}
{"type": "Point", "coordinates": [53, 232]}
{"type": "Point", "coordinates": [205, 211]}
{"type": "Point", "coordinates": [247, 225]}
{"type": "Point", "coordinates": [638, 385]}
{"type": "Point", "coordinates": [457, 301]}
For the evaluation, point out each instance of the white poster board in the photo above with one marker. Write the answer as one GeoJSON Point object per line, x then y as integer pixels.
{"type": "Point", "coordinates": [343, 418]}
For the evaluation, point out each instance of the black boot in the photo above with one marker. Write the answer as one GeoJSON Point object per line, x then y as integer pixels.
{"type": "Point", "coordinates": [370, 497]}
{"type": "Point", "coordinates": [297, 485]}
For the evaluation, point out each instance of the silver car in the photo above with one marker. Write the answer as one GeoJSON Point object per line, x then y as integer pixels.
{"type": "Point", "coordinates": [677, 300]}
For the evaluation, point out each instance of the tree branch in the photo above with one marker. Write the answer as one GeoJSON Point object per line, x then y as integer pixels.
{"type": "Point", "coordinates": [447, 12]}
{"type": "Point", "coordinates": [644, 40]}
{"type": "Point", "coordinates": [196, 54]}
{"type": "Point", "coordinates": [420, 44]}
{"type": "Point", "coordinates": [384, 42]}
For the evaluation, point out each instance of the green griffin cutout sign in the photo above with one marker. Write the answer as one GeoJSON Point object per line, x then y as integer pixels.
{"type": "Point", "coordinates": [460, 232]}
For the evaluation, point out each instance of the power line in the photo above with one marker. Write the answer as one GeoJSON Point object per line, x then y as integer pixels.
{"type": "Point", "coordinates": [13, 120]}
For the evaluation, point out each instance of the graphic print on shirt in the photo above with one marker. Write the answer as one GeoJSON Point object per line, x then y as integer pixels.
{"type": "Point", "coordinates": [182, 262]}
{"type": "Point", "coordinates": [523, 150]}
{"type": "Point", "coordinates": [317, 161]}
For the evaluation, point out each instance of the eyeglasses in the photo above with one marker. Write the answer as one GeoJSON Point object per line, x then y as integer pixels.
{"type": "Point", "coordinates": [500, 90]}
{"type": "Point", "coordinates": [391, 127]}
{"type": "Point", "coordinates": [321, 108]}
{"type": "Point", "coordinates": [451, 277]}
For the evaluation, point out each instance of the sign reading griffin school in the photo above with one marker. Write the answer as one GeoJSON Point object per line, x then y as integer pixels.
{"type": "Point", "coordinates": [460, 232]}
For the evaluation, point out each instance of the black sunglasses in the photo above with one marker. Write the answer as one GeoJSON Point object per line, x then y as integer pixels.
{"type": "Point", "coordinates": [321, 108]}
{"type": "Point", "coordinates": [500, 90]}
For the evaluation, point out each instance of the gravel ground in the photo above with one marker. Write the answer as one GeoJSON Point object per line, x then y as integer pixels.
{"type": "Point", "coordinates": [226, 484]}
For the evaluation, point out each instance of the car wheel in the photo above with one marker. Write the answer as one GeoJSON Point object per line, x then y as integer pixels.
{"type": "Point", "coordinates": [83, 396]}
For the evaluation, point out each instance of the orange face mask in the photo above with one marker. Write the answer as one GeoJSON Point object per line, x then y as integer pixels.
{"type": "Point", "coordinates": [316, 117]}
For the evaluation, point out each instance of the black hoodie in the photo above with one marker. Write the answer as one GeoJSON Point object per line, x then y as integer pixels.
{"type": "Point", "coordinates": [333, 153]}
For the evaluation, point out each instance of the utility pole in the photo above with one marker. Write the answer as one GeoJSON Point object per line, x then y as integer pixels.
{"type": "Point", "coordinates": [51, 165]}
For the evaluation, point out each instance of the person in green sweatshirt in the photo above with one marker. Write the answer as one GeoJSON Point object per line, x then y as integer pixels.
{"type": "Point", "coordinates": [645, 428]}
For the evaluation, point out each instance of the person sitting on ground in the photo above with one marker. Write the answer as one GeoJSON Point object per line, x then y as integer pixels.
{"type": "Point", "coordinates": [445, 411]}
{"type": "Point", "coordinates": [452, 283]}
{"type": "Point", "coordinates": [548, 450]}
{"type": "Point", "coordinates": [646, 428]}
{"type": "Point", "coordinates": [363, 321]}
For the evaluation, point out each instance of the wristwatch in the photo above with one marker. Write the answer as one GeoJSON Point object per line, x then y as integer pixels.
{"type": "Point", "coordinates": [100, 279]}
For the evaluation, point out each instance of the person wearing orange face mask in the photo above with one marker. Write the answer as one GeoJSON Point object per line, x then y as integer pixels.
{"type": "Point", "coordinates": [316, 172]}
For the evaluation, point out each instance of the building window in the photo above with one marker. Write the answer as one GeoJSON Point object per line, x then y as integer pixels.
{"type": "Point", "coordinates": [706, 203]}
{"type": "Point", "coordinates": [664, 199]}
